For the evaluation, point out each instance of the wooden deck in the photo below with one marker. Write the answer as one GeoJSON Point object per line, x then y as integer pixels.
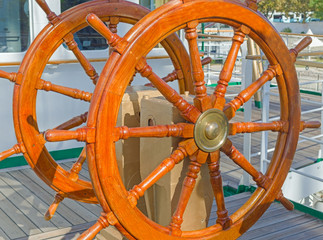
{"type": "Point", "coordinates": [24, 199]}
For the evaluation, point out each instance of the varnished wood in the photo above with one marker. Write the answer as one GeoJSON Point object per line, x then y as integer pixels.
{"type": "Point", "coordinates": [183, 130]}
{"type": "Point", "coordinates": [187, 189]}
{"type": "Point", "coordinates": [80, 134]}
{"type": "Point", "coordinates": [51, 16]}
{"type": "Point", "coordinates": [16, 149]}
{"type": "Point", "coordinates": [10, 76]}
{"type": "Point", "coordinates": [286, 203]}
{"type": "Point", "coordinates": [77, 166]}
{"type": "Point", "coordinates": [250, 127]}
{"type": "Point", "coordinates": [245, 95]}
{"type": "Point", "coordinates": [216, 182]}
{"type": "Point", "coordinates": [167, 165]}
{"type": "Point", "coordinates": [187, 110]}
{"type": "Point", "coordinates": [73, 122]}
{"type": "Point", "coordinates": [70, 92]}
{"type": "Point", "coordinates": [226, 72]}
{"type": "Point", "coordinates": [95, 229]}
{"type": "Point", "coordinates": [300, 46]}
{"type": "Point", "coordinates": [178, 74]}
{"type": "Point", "coordinates": [53, 207]}
{"type": "Point", "coordinates": [113, 39]}
{"type": "Point", "coordinates": [239, 159]}
{"type": "Point", "coordinates": [201, 100]}
{"type": "Point", "coordinates": [85, 63]}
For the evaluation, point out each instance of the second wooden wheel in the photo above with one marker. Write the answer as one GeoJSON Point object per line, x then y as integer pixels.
{"type": "Point", "coordinates": [207, 128]}
{"type": "Point", "coordinates": [29, 83]}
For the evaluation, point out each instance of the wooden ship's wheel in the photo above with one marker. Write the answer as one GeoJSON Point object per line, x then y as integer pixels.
{"type": "Point", "coordinates": [207, 126]}
{"type": "Point", "coordinates": [28, 83]}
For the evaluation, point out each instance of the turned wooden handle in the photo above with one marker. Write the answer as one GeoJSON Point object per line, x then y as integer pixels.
{"type": "Point", "coordinates": [285, 202]}
{"type": "Point", "coordinates": [305, 42]}
{"type": "Point", "coordinates": [312, 124]}
{"type": "Point", "coordinates": [43, 4]}
{"type": "Point", "coordinates": [206, 60]}
{"type": "Point", "coordinates": [7, 153]}
{"type": "Point", "coordinates": [52, 208]}
{"type": "Point", "coordinates": [61, 135]}
{"type": "Point", "coordinates": [99, 26]}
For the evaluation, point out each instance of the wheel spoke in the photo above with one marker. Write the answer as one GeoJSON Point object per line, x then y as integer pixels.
{"type": "Point", "coordinates": [245, 95]}
{"type": "Point", "coordinates": [177, 74]}
{"type": "Point", "coordinates": [216, 182]}
{"type": "Point", "coordinates": [226, 72]}
{"type": "Point", "coordinates": [250, 127]}
{"type": "Point", "coordinates": [113, 39]}
{"type": "Point", "coordinates": [12, 77]}
{"type": "Point", "coordinates": [183, 130]}
{"type": "Point", "coordinates": [167, 165]}
{"type": "Point", "coordinates": [87, 66]}
{"type": "Point", "coordinates": [77, 166]}
{"type": "Point", "coordinates": [16, 149]}
{"type": "Point", "coordinates": [70, 92]}
{"type": "Point", "coordinates": [84, 134]}
{"type": "Point", "coordinates": [51, 16]}
{"type": "Point", "coordinates": [113, 24]}
{"type": "Point", "coordinates": [188, 111]}
{"type": "Point", "coordinates": [201, 100]}
{"type": "Point", "coordinates": [73, 122]}
{"type": "Point", "coordinates": [239, 159]}
{"type": "Point", "coordinates": [187, 189]}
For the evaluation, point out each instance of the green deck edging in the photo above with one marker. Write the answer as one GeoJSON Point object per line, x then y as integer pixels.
{"type": "Point", "coordinates": [315, 93]}
{"type": "Point", "coordinates": [300, 207]}
{"type": "Point", "coordinates": [230, 84]}
{"type": "Point", "coordinates": [308, 210]}
{"type": "Point", "coordinates": [57, 155]}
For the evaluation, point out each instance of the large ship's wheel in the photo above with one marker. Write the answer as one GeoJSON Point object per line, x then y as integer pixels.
{"type": "Point", "coordinates": [29, 82]}
{"type": "Point", "coordinates": [207, 128]}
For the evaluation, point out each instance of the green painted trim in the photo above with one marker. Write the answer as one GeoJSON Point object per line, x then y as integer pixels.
{"type": "Point", "coordinates": [315, 93]}
{"type": "Point", "coordinates": [229, 191]}
{"type": "Point", "coordinates": [308, 210]}
{"type": "Point", "coordinates": [243, 188]}
{"type": "Point", "coordinates": [319, 160]}
{"type": "Point", "coordinates": [230, 84]}
{"type": "Point", "coordinates": [57, 155]}
{"type": "Point", "coordinates": [300, 207]}
{"type": "Point", "coordinates": [258, 104]}
{"type": "Point", "coordinates": [240, 110]}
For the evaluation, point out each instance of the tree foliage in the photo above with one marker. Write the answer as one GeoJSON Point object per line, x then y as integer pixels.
{"type": "Point", "coordinates": [317, 6]}
{"type": "Point", "coordinates": [302, 8]}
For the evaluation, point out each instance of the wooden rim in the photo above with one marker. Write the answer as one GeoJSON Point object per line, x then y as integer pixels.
{"type": "Point", "coordinates": [104, 110]}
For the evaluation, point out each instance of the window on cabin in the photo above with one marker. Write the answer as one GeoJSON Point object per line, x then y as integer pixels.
{"type": "Point", "coordinates": [86, 38]}
{"type": "Point", "coordinates": [14, 25]}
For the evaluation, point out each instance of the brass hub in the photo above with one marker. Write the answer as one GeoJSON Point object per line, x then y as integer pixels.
{"type": "Point", "coordinates": [211, 130]}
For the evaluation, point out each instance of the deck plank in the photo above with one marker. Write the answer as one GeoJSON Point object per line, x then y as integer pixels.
{"type": "Point", "coordinates": [20, 219]}
{"type": "Point", "coordinates": [9, 227]}
{"type": "Point", "coordinates": [34, 200]}
{"type": "Point", "coordinates": [25, 207]}
{"type": "Point", "coordinates": [73, 212]}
